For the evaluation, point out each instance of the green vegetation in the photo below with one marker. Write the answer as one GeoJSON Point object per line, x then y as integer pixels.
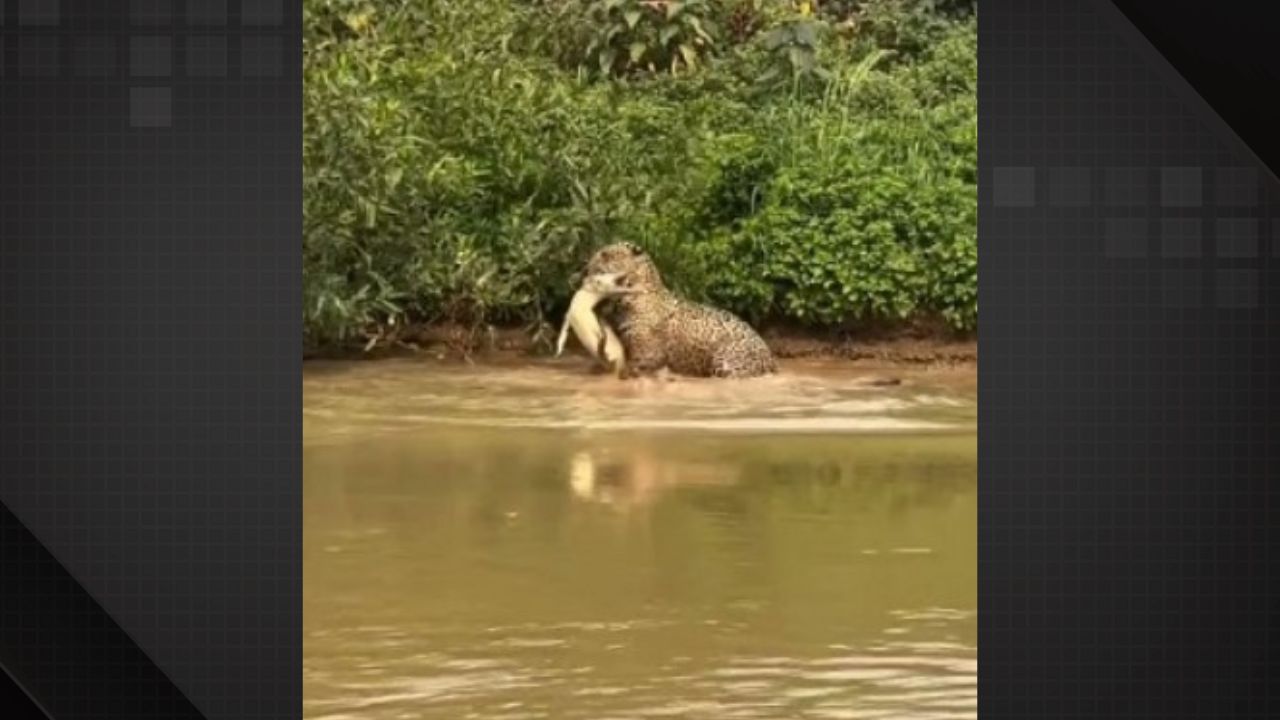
{"type": "Point", "coordinates": [462, 160]}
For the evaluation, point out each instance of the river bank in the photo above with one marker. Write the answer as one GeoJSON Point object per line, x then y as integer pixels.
{"type": "Point", "coordinates": [918, 345]}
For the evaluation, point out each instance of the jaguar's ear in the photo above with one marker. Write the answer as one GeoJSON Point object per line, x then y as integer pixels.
{"type": "Point", "coordinates": [635, 249]}
{"type": "Point", "coordinates": [633, 281]}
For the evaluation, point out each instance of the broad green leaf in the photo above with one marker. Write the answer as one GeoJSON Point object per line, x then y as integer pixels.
{"type": "Point", "coordinates": [637, 51]}
{"type": "Point", "coordinates": [632, 17]}
{"type": "Point", "coordinates": [667, 33]}
{"type": "Point", "coordinates": [696, 24]}
{"type": "Point", "coordinates": [607, 59]}
{"type": "Point", "coordinates": [775, 38]}
{"type": "Point", "coordinates": [393, 176]}
{"type": "Point", "coordinates": [769, 75]}
{"type": "Point", "coordinates": [801, 59]}
{"type": "Point", "coordinates": [358, 22]}
{"type": "Point", "coordinates": [689, 54]}
{"type": "Point", "coordinates": [806, 33]}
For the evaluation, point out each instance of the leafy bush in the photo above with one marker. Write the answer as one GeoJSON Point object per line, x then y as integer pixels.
{"type": "Point", "coordinates": [635, 35]}
{"type": "Point", "coordinates": [459, 165]}
{"type": "Point", "coordinates": [793, 48]}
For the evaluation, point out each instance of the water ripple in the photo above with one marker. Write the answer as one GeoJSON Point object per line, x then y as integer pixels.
{"type": "Point", "coordinates": [905, 681]}
{"type": "Point", "coordinates": [390, 397]}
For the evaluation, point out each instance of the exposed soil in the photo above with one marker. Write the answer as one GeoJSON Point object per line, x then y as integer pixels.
{"type": "Point", "coordinates": [918, 345]}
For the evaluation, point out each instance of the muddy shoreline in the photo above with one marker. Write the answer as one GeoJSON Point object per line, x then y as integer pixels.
{"type": "Point", "coordinates": [915, 346]}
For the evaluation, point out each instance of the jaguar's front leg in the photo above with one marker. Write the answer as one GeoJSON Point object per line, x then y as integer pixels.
{"type": "Point", "coordinates": [645, 354]}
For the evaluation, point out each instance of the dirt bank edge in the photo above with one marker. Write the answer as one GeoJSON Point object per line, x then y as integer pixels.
{"type": "Point", "coordinates": [444, 341]}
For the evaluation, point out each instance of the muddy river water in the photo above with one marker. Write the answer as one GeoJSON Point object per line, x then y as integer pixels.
{"type": "Point", "coordinates": [537, 541]}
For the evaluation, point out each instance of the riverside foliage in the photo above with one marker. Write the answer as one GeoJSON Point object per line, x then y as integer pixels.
{"type": "Point", "coordinates": [790, 163]}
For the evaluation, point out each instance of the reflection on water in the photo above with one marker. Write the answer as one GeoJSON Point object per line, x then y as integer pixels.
{"type": "Point", "coordinates": [635, 474]}
{"type": "Point", "coordinates": [657, 553]}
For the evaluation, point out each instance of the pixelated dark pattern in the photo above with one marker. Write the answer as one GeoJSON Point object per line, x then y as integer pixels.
{"type": "Point", "coordinates": [151, 12]}
{"type": "Point", "coordinates": [17, 702]}
{"type": "Point", "coordinates": [1014, 186]}
{"type": "Point", "coordinates": [1237, 187]}
{"type": "Point", "coordinates": [1227, 56]}
{"type": "Point", "coordinates": [150, 107]}
{"type": "Point", "coordinates": [39, 55]}
{"type": "Point", "coordinates": [150, 296]}
{"type": "Point", "coordinates": [1236, 237]}
{"type": "Point", "coordinates": [67, 653]}
{"type": "Point", "coordinates": [39, 13]}
{"type": "Point", "coordinates": [261, 12]}
{"type": "Point", "coordinates": [260, 57]}
{"type": "Point", "coordinates": [206, 56]}
{"type": "Point", "coordinates": [1127, 515]}
{"type": "Point", "coordinates": [1181, 237]}
{"type": "Point", "coordinates": [1070, 186]}
{"type": "Point", "coordinates": [1126, 237]}
{"type": "Point", "coordinates": [206, 12]}
{"type": "Point", "coordinates": [95, 56]}
{"type": "Point", "coordinates": [1181, 187]}
{"type": "Point", "coordinates": [150, 56]}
